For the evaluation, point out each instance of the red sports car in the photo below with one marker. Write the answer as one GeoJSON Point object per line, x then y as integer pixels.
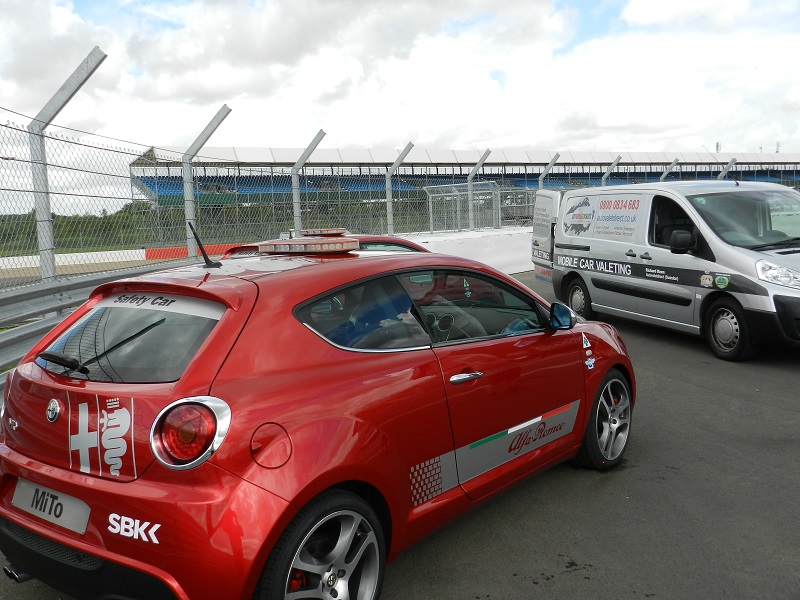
{"type": "Point", "coordinates": [280, 426]}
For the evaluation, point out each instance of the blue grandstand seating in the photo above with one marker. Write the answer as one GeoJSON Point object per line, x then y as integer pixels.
{"type": "Point", "coordinates": [372, 184]}
{"type": "Point", "coordinates": [173, 185]}
{"type": "Point", "coordinates": [527, 183]}
{"type": "Point", "coordinates": [269, 183]}
{"type": "Point", "coordinates": [763, 177]}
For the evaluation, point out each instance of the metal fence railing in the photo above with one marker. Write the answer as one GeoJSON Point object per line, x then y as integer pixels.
{"type": "Point", "coordinates": [255, 203]}
{"type": "Point", "coordinates": [73, 205]}
{"type": "Point", "coordinates": [111, 208]}
{"type": "Point", "coordinates": [91, 213]}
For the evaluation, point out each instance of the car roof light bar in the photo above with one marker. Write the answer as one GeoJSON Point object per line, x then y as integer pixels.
{"type": "Point", "coordinates": [309, 245]}
{"type": "Point", "coordinates": [327, 232]}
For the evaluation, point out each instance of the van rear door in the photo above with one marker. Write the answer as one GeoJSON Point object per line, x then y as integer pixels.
{"type": "Point", "coordinates": [545, 209]}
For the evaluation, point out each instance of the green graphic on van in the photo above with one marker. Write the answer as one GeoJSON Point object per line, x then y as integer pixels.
{"type": "Point", "coordinates": [722, 281]}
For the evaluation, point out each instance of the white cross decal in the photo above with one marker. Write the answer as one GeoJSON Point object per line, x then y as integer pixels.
{"type": "Point", "coordinates": [84, 440]}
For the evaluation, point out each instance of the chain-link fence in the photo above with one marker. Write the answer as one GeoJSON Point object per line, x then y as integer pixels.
{"type": "Point", "coordinates": [237, 203]}
{"type": "Point", "coordinates": [71, 205]}
{"type": "Point", "coordinates": [87, 207]}
{"type": "Point", "coordinates": [76, 203]}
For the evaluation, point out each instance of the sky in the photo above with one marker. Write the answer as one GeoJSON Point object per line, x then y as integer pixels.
{"type": "Point", "coordinates": [553, 75]}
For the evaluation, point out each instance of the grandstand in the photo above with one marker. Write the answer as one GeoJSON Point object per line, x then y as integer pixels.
{"type": "Point", "coordinates": [245, 176]}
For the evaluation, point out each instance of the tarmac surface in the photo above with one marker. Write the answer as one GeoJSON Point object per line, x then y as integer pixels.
{"type": "Point", "coordinates": [706, 503]}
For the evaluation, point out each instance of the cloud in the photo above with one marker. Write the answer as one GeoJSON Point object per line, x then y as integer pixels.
{"type": "Point", "coordinates": [713, 15]}
{"type": "Point", "coordinates": [618, 75]}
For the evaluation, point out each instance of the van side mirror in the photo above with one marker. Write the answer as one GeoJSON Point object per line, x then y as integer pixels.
{"type": "Point", "coordinates": [680, 242]}
{"type": "Point", "coordinates": [562, 316]}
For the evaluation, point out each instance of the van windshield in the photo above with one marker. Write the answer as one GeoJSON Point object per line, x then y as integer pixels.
{"type": "Point", "coordinates": [756, 219]}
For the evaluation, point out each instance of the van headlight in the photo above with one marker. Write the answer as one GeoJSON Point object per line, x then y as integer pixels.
{"type": "Point", "coordinates": [778, 275]}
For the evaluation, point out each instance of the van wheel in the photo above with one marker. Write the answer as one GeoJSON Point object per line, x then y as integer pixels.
{"type": "Point", "coordinates": [334, 548]}
{"type": "Point", "coordinates": [578, 299]}
{"type": "Point", "coordinates": [726, 330]}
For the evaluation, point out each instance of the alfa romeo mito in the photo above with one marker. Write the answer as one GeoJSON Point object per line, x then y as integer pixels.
{"type": "Point", "coordinates": [282, 424]}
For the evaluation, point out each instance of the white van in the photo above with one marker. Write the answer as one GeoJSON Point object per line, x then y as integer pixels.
{"type": "Point", "coordinates": [719, 259]}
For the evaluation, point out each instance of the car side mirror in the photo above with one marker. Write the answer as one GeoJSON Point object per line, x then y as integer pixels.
{"type": "Point", "coordinates": [680, 242]}
{"type": "Point", "coordinates": [562, 316]}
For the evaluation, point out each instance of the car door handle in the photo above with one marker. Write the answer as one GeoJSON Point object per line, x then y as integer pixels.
{"type": "Point", "coordinates": [465, 377]}
{"type": "Point", "coordinates": [646, 256]}
{"type": "Point", "coordinates": [631, 254]}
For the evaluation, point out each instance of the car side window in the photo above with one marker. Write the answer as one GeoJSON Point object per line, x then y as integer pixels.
{"type": "Point", "coordinates": [460, 305]}
{"type": "Point", "coordinates": [376, 315]}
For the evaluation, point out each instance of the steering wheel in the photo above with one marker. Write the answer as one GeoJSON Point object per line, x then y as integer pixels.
{"type": "Point", "coordinates": [455, 325]}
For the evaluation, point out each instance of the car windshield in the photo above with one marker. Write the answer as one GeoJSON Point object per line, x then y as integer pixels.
{"type": "Point", "coordinates": [756, 219]}
{"type": "Point", "coordinates": [133, 338]}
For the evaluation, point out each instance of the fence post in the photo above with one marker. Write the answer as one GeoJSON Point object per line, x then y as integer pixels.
{"type": "Point", "coordinates": [41, 195]}
{"type": "Point", "coordinates": [668, 169]}
{"type": "Point", "coordinates": [547, 169]}
{"type": "Point", "coordinates": [430, 211]}
{"type": "Point", "coordinates": [296, 205]}
{"type": "Point", "coordinates": [606, 175]}
{"type": "Point", "coordinates": [389, 209]}
{"type": "Point", "coordinates": [470, 177]}
{"type": "Point", "coordinates": [188, 183]}
{"type": "Point", "coordinates": [727, 168]}
{"type": "Point", "coordinates": [41, 187]}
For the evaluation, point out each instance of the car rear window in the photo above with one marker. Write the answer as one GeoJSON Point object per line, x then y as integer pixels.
{"type": "Point", "coordinates": [134, 338]}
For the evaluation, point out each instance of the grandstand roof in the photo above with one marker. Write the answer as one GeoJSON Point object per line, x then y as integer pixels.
{"type": "Point", "coordinates": [287, 157]}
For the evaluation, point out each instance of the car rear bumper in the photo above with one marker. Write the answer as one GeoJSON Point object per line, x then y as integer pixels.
{"type": "Point", "coordinates": [73, 572]}
{"type": "Point", "coordinates": [214, 529]}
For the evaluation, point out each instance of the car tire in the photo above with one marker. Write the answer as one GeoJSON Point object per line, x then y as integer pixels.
{"type": "Point", "coordinates": [578, 299]}
{"type": "Point", "coordinates": [334, 544]}
{"type": "Point", "coordinates": [726, 330]}
{"type": "Point", "coordinates": [609, 426]}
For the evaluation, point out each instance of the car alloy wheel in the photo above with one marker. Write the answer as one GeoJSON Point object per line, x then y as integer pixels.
{"type": "Point", "coordinates": [333, 549]}
{"type": "Point", "coordinates": [613, 419]}
{"type": "Point", "coordinates": [609, 426]}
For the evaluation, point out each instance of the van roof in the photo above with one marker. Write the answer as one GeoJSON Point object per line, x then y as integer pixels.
{"type": "Point", "coordinates": [695, 186]}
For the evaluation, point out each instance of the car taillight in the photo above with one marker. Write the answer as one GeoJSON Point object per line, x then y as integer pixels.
{"type": "Point", "coordinates": [187, 432]}
{"type": "Point", "coordinates": [6, 392]}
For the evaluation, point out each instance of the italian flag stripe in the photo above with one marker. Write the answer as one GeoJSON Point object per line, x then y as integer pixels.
{"type": "Point", "coordinates": [556, 411]}
{"type": "Point", "coordinates": [488, 439]}
{"type": "Point", "coordinates": [520, 426]}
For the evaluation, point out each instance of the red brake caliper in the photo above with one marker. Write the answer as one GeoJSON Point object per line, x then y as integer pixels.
{"type": "Point", "coordinates": [297, 581]}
